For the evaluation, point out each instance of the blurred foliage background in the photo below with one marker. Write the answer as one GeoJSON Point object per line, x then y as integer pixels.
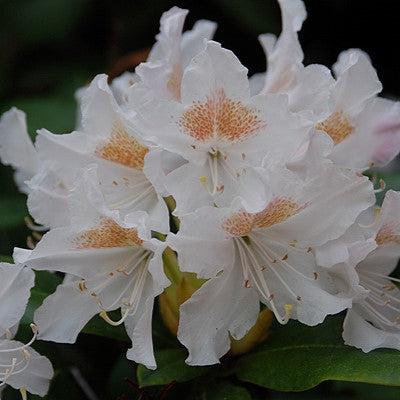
{"type": "Point", "coordinates": [49, 48]}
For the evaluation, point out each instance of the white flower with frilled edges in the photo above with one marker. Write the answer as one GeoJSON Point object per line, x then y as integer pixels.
{"type": "Point", "coordinates": [20, 366]}
{"type": "Point", "coordinates": [374, 320]}
{"type": "Point", "coordinates": [46, 192]}
{"type": "Point", "coordinates": [220, 130]}
{"type": "Point", "coordinates": [364, 128]}
{"type": "Point", "coordinates": [106, 140]}
{"type": "Point", "coordinates": [308, 88]}
{"type": "Point", "coordinates": [119, 266]}
{"type": "Point", "coordinates": [173, 51]}
{"type": "Point", "coordinates": [16, 148]}
{"type": "Point", "coordinates": [265, 256]}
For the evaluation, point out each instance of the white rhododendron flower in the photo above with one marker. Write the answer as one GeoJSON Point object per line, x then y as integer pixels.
{"type": "Point", "coordinates": [119, 266]}
{"type": "Point", "coordinates": [16, 148]}
{"type": "Point", "coordinates": [20, 366]}
{"type": "Point", "coordinates": [364, 128]}
{"type": "Point", "coordinates": [221, 131]}
{"type": "Point", "coordinates": [162, 72]}
{"type": "Point", "coordinates": [374, 320]}
{"type": "Point", "coordinates": [264, 173]}
{"type": "Point", "coordinates": [265, 256]}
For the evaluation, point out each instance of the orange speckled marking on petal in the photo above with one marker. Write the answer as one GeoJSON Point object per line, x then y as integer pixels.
{"type": "Point", "coordinates": [278, 210]}
{"type": "Point", "coordinates": [220, 117]}
{"type": "Point", "coordinates": [239, 224]}
{"type": "Point", "coordinates": [337, 126]}
{"type": "Point", "coordinates": [174, 82]}
{"type": "Point", "coordinates": [123, 149]}
{"type": "Point", "coordinates": [387, 235]}
{"type": "Point", "coordinates": [108, 234]}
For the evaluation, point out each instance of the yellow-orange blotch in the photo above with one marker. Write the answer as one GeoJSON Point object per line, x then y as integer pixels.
{"type": "Point", "coordinates": [123, 149]}
{"type": "Point", "coordinates": [387, 235]}
{"type": "Point", "coordinates": [337, 126]}
{"type": "Point", "coordinates": [108, 234]}
{"type": "Point", "coordinates": [220, 117]}
{"type": "Point", "coordinates": [278, 210]}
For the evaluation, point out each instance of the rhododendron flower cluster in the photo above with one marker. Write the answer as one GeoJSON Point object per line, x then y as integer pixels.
{"type": "Point", "coordinates": [257, 184]}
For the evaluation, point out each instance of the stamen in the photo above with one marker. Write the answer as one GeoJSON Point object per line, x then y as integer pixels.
{"type": "Point", "coordinates": [258, 278]}
{"type": "Point", "coordinates": [33, 227]}
{"type": "Point", "coordinates": [378, 315]}
{"type": "Point", "coordinates": [24, 394]}
{"type": "Point", "coordinates": [374, 222]}
{"type": "Point", "coordinates": [20, 348]}
{"type": "Point", "coordinates": [382, 276]}
{"type": "Point", "coordinates": [134, 300]}
{"type": "Point", "coordinates": [276, 257]}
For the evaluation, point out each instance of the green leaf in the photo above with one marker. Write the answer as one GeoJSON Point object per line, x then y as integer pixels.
{"type": "Point", "coordinates": [225, 391]}
{"type": "Point", "coordinates": [297, 357]}
{"type": "Point", "coordinates": [117, 385]}
{"type": "Point", "coordinates": [6, 259]}
{"type": "Point", "coordinates": [170, 367]}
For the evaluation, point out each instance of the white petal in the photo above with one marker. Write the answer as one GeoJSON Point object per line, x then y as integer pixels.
{"type": "Point", "coordinates": [120, 86]}
{"type": "Point", "coordinates": [351, 247]}
{"type": "Point", "coordinates": [201, 244]}
{"type": "Point", "coordinates": [15, 287]}
{"type": "Point", "coordinates": [164, 62]}
{"type": "Point", "coordinates": [168, 40]}
{"type": "Point", "coordinates": [99, 108]}
{"type": "Point", "coordinates": [375, 139]}
{"type": "Point", "coordinates": [222, 306]}
{"type": "Point", "coordinates": [294, 280]}
{"type": "Point", "coordinates": [16, 148]}
{"type": "Point", "coordinates": [36, 377]}
{"type": "Point", "coordinates": [284, 56]}
{"type": "Point", "coordinates": [56, 252]}
{"type": "Point", "coordinates": [335, 199]}
{"type": "Point", "coordinates": [193, 40]}
{"type": "Point", "coordinates": [65, 313]}
{"type": "Point", "coordinates": [361, 334]}
{"type": "Point", "coordinates": [213, 69]}
{"type": "Point", "coordinates": [311, 94]}
{"type": "Point", "coordinates": [139, 329]}
{"type": "Point", "coordinates": [357, 83]}
{"type": "Point", "coordinates": [47, 199]}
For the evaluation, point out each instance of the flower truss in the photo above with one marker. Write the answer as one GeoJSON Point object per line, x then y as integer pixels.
{"type": "Point", "coordinates": [261, 181]}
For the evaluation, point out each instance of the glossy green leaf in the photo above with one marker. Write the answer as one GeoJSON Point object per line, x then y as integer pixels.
{"type": "Point", "coordinates": [225, 391]}
{"type": "Point", "coordinates": [297, 357]}
{"type": "Point", "coordinates": [170, 367]}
